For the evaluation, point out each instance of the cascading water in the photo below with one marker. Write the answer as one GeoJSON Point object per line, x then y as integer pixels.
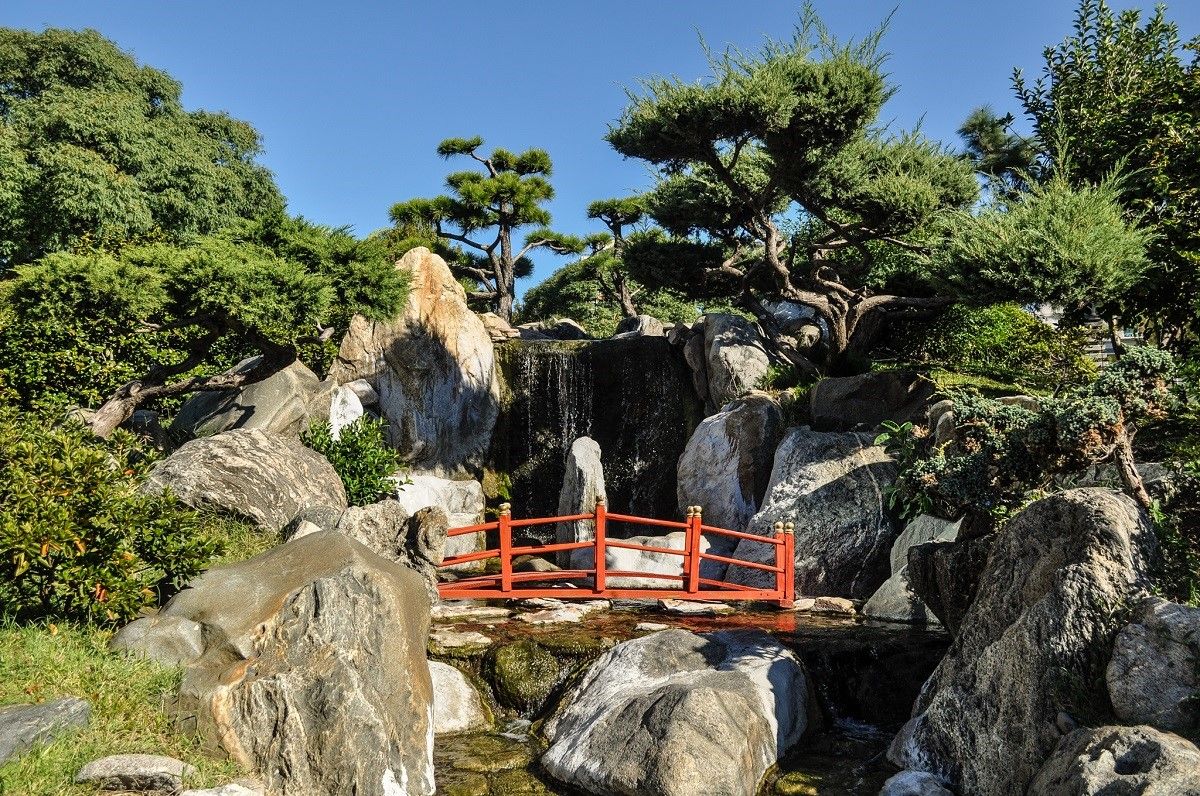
{"type": "Point", "coordinates": [633, 396]}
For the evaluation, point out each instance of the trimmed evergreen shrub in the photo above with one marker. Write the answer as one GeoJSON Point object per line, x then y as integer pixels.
{"type": "Point", "coordinates": [361, 457]}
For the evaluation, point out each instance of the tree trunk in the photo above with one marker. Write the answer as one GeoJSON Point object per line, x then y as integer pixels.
{"type": "Point", "coordinates": [624, 295]}
{"type": "Point", "coordinates": [129, 397]}
{"type": "Point", "coordinates": [1128, 471]}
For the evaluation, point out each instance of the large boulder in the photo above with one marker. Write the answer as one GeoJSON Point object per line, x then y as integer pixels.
{"type": "Point", "coordinates": [1033, 643]}
{"type": "Point", "coordinates": [832, 487]}
{"type": "Point", "coordinates": [582, 486]}
{"type": "Point", "coordinates": [284, 403]}
{"type": "Point", "coordinates": [622, 559]}
{"type": "Point", "coordinates": [680, 714]}
{"type": "Point", "coordinates": [251, 474]}
{"type": "Point", "coordinates": [433, 368]}
{"type": "Point", "coordinates": [313, 673]}
{"type": "Point", "coordinates": [735, 359]}
{"type": "Point", "coordinates": [1154, 675]}
{"type": "Point", "coordinates": [726, 466]}
{"type": "Point", "coordinates": [640, 326]}
{"type": "Point", "coordinates": [944, 575]}
{"type": "Point", "coordinates": [865, 401]}
{"type": "Point", "coordinates": [895, 600]}
{"type": "Point", "coordinates": [417, 541]}
{"type": "Point", "coordinates": [457, 706]}
{"type": "Point", "coordinates": [1112, 761]}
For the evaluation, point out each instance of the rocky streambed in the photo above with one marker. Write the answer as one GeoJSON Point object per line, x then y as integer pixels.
{"type": "Point", "coordinates": [862, 679]}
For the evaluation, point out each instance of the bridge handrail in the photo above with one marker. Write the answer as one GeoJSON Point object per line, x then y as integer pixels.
{"type": "Point", "coordinates": [691, 584]}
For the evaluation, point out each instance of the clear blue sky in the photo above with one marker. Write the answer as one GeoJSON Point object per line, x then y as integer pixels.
{"type": "Point", "coordinates": [352, 97]}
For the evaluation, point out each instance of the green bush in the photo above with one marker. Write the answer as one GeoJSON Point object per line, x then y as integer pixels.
{"type": "Point", "coordinates": [1001, 342]}
{"type": "Point", "coordinates": [361, 456]}
{"type": "Point", "coordinates": [78, 541]}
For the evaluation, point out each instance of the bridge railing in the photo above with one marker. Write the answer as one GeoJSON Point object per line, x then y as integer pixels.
{"type": "Point", "coordinates": [593, 582]}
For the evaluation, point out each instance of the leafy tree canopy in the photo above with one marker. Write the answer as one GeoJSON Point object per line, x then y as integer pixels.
{"type": "Point", "coordinates": [96, 150]}
{"type": "Point", "coordinates": [775, 176]}
{"type": "Point", "coordinates": [166, 316]}
{"type": "Point", "coordinates": [1121, 94]}
{"type": "Point", "coordinates": [482, 212]}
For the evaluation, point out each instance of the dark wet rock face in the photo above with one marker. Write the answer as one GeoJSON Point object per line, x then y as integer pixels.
{"type": "Point", "coordinates": [632, 396]}
{"type": "Point", "coordinates": [945, 576]}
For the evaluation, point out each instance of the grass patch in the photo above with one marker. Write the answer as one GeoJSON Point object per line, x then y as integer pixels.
{"type": "Point", "coordinates": [128, 698]}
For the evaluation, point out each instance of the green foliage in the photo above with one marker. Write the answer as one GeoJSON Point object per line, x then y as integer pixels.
{"type": "Point", "coordinates": [581, 291]}
{"type": "Point", "coordinates": [128, 698]}
{"type": "Point", "coordinates": [1003, 454]}
{"type": "Point", "coordinates": [1057, 242]}
{"type": "Point", "coordinates": [900, 441]}
{"type": "Point", "coordinates": [84, 324]}
{"type": "Point", "coordinates": [1001, 342]}
{"type": "Point", "coordinates": [78, 541]}
{"type": "Point", "coordinates": [1177, 526]}
{"type": "Point", "coordinates": [361, 457]}
{"type": "Point", "coordinates": [1122, 94]}
{"type": "Point", "coordinates": [97, 150]}
{"type": "Point", "coordinates": [998, 153]}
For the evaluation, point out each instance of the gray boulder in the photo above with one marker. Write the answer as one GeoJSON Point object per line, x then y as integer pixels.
{"type": "Point", "coordinates": [680, 714]}
{"type": "Point", "coordinates": [417, 541]}
{"type": "Point", "coordinates": [170, 640]}
{"type": "Point", "coordinates": [1112, 761]}
{"type": "Point", "coordinates": [250, 474]}
{"type": "Point", "coordinates": [457, 706]}
{"type": "Point", "coordinates": [622, 559]}
{"type": "Point", "coordinates": [433, 368]}
{"type": "Point", "coordinates": [135, 773]}
{"type": "Point", "coordinates": [555, 329]}
{"type": "Point", "coordinates": [914, 783]}
{"type": "Point", "coordinates": [1035, 638]}
{"type": "Point", "coordinates": [583, 485]}
{"type": "Point", "coordinates": [832, 487]}
{"type": "Point", "coordinates": [284, 403]}
{"type": "Point", "coordinates": [640, 326]}
{"type": "Point", "coordinates": [461, 499]}
{"type": "Point", "coordinates": [735, 358]}
{"type": "Point", "coordinates": [25, 726]}
{"type": "Point", "coordinates": [726, 466]}
{"type": "Point", "coordinates": [1154, 675]}
{"type": "Point", "coordinates": [895, 600]}
{"type": "Point", "coordinates": [865, 401]}
{"type": "Point", "coordinates": [314, 673]}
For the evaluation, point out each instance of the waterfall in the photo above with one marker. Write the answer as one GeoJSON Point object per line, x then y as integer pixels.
{"type": "Point", "coordinates": [633, 396]}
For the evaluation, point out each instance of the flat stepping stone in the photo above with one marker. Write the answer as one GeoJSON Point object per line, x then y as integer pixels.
{"type": "Point", "coordinates": [468, 612]}
{"type": "Point", "coordinates": [24, 726]}
{"type": "Point", "coordinates": [695, 608]}
{"type": "Point", "coordinates": [136, 773]}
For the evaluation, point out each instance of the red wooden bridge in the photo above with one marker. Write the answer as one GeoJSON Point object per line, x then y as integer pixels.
{"type": "Point", "coordinates": [503, 582]}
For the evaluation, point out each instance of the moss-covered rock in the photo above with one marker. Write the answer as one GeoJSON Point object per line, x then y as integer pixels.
{"type": "Point", "coordinates": [492, 753]}
{"type": "Point", "coordinates": [523, 675]}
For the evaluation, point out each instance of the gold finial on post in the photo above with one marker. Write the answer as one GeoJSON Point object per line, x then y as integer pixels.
{"type": "Point", "coordinates": [777, 527]}
{"type": "Point", "coordinates": [506, 508]}
{"type": "Point", "coordinates": [789, 527]}
{"type": "Point", "coordinates": [691, 510]}
{"type": "Point", "coordinates": [699, 511]}
{"type": "Point", "coordinates": [600, 500]}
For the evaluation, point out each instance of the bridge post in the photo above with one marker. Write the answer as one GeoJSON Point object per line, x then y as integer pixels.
{"type": "Point", "coordinates": [505, 529]}
{"type": "Point", "coordinates": [601, 533]}
{"type": "Point", "coordinates": [788, 565]}
{"type": "Point", "coordinates": [692, 546]}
